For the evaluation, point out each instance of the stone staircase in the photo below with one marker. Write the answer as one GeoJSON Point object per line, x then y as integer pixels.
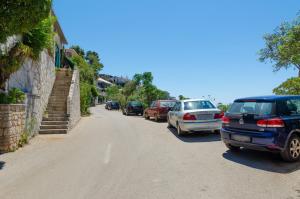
{"type": "Point", "coordinates": [57, 120]}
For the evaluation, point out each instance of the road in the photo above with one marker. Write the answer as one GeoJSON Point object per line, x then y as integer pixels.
{"type": "Point", "coordinates": [111, 156]}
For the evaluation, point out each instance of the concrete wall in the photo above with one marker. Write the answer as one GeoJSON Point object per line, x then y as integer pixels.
{"type": "Point", "coordinates": [12, 120]}
{"type": "Point", "coordinates": [36, 79]}
{"type": "Point", "coordinates": [73, 103]}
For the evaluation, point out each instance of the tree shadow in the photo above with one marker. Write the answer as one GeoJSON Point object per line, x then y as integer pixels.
{"type": "Point", "coordinates": [266, 161]}
{"type": "Point", "coordinates": [2, 164]}
{"type": "Point", "coordinates": [197, 136]}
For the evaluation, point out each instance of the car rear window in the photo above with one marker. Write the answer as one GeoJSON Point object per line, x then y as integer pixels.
{"type": "Point", "coordinates": [114, 103]}
{"type": "Point", "coordinates": [167, 104]}
{"type": "Point", "coordinates": [255, 108]}
{"type": "Point", "coordinates": [194, 105]}
{"type": "Point", "coordinates": [135, 103]}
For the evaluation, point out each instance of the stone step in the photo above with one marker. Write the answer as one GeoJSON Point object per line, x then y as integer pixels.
{"type": "Point", "coordinates": [54, 106]}
{"type": "Point", "coordinates": [59, 109]}
{"type": "Point", "coordinates": [55, 123]}
{"type": "Point", "coordinates": [55, 119]}
{"type": "Point", "coordinates": [57, 114]}
{"type": "Point", "coordinates": [54, 127]}
{"type": "Point", "coordinates": [53, 131]}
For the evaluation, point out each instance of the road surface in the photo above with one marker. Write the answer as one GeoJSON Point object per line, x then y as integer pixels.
{"type": "Point", "coordinates": [111, 156]}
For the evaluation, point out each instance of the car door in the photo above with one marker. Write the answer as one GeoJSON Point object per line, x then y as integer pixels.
{"type": "Point", "coordinates": [175, 113]}
{"type": "Point", "coordinates": [152, 109]}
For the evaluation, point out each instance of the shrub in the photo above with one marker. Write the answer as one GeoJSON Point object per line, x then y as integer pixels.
{"type": "Point", "coordinates": [85, 98]}
{"type": "Point", "coordinates": [14, 96]}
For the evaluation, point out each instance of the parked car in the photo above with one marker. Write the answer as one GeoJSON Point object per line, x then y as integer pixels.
{"type": "Point", "coordinates": [270, 123]}
{"type": "Point", "coordinates": [195, 115]}
{"type": "Point", "coordinates": [133, 107]}
{"type": "Point", "coordinates": [106, 104]}
{"type": "Point", "coordinates": [112, 105]}
{"type": "Point", "coordinates": [159, 109]}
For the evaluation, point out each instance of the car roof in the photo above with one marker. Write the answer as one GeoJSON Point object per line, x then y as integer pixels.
{"type": "Point", "coordinates": [191, 100]}
{"type": "Point", "coordinates": [269, 98]}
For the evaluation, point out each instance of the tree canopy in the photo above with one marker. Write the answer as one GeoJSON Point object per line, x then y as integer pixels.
{"type": "Point", "coordinates": [289, 87]}
{"type": "Point", "coordinates": [282, 47]}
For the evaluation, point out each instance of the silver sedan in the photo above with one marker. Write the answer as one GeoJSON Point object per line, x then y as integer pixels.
{"type": "Point", "coordinates": [195, 115]}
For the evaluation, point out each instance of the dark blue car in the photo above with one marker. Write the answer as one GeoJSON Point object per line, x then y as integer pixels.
{"type": "Point", "coordinates": [269, 123]}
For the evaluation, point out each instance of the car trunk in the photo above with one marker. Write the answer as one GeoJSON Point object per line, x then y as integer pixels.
{"type": "Point", "coordinates": [208, 114]}
{"type": "Point", "coordinates": [244, 121]}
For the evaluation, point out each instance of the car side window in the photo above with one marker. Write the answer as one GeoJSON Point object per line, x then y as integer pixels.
{"type": "Point", "coordinates": [153, 105]}
{"type": "Point", "coordinates": [177, 107]}
{"type": "Point", "coordinates": [288, 107]}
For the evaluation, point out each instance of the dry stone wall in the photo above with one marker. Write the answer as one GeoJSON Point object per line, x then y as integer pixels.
{"type": "Point", "coordinates": [12, 121]}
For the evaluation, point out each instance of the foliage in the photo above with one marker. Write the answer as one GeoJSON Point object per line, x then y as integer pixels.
{"type": "Point", "coordinates": [11, 62]}
{"type": "Point", "coordinates": [94, 62]}
{"type": "Point", "coordinates": [85, 98]}
{"type": "Point", "coordinates": [289, 87]}
{"type": "Point", "coordinates": [139, 89]}
{"type": "Point", "coordinates": [14, 96]}
{"type": "Point", "coordinates": [40, 38]}
{"type": "Point", "coordinates": [94, 91]}
{"type": "Point", "coordinates": [283, 46]}
{"type": "Point", "coordinates": [223, 107]}
{"type": "Point", "coordinates": [23, 139]}
{"type": "Point", "coordinates": [181, 97]}
{"type": "Point", "coordinates": [85, 71]}
{"type": "Point", "coordinates": [33, 42]}
{"type": "Point", "coordinates": [20, 16]}
{"type": "Point", "coordinates": [79, 50]}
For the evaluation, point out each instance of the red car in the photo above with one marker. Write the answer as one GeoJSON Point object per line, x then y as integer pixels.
{"type": "Point", "coordinates": [159, 109]}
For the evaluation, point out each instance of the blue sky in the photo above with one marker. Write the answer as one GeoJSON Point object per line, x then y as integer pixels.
{"type": "Point", "coordinates": [193, 47]}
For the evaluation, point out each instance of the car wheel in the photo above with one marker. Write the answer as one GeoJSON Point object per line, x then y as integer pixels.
{"type": "Point", "coordinates": [232, 148]}
{"type": "Point", "coordinates": [156, 118]}
{"type": "Point", "coordinates": [292, 151]}
{"type": "Point", "coordinates": [217, 131]}
{"type": "Point", "coordinates": [180, 132]}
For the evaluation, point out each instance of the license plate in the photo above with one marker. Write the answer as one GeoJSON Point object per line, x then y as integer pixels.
{"type": "Point", "coordinates": [240, 138]}
{"type": "Point", "coordinates": [204, 116]}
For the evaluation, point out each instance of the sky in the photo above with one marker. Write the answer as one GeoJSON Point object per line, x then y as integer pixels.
{"type": "Point", "coordinates": [193, 48]}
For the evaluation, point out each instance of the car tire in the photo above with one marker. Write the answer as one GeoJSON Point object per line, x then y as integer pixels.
{"type": "Point", "coordinates": [146, 116]}
{"type": "Point", "coordinates": [232, 148]}
{"type": "Point", "coordinates": [292, 151]}
{"type": "Point", "coordinates": [180, 132]}
{"type": "Point", "coordinates": [217, 131]}
{"type": "Point", "coordinates": [156, 119]}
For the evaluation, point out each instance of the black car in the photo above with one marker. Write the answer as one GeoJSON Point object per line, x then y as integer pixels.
{"type": "Point", "coordinates": [270, 123]}
{"type": "Point", "coordinates": [133, 107]}
{"type": "Point", "coordinates": [112, 105]}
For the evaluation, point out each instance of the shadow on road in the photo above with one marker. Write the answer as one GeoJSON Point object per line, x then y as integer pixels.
{"type": "Point", "coordinates": [197, 137]}
{"type": "Point", "coordinates": [2, 164]}
{"type": "Point", "coordinates": [261, 160]}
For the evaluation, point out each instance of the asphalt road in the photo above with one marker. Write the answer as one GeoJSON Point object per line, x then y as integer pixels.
{"type": "Point", "coordinates": [111, 156]}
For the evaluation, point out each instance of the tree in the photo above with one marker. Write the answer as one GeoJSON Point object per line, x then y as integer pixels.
{"type": "Point", "coordinates": [223, 107]}
{"type": "Point", "coordinates": [79, 50]}
{"type": "Point", "coordinates": [283, 46]}
{"type": "Point", "coordinates": [289, 87]}
{"type": "Point", "coordinates": [181, 97]}
{"type": "Point", "coordinates": [20, 16]}
{"type": "Point", "coordinates": [94, 61]}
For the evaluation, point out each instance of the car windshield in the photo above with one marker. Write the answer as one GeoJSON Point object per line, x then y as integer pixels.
{"type": "Point", "coordinates": [167, 104]}
{"type": "Point", "coordinates": [201, 104]}
{"type": "Point", "coordinates": [114, 103]}
{"type": "Point", "coordinates": [256, 108]}
{"type": "Point", "coordinates": [135, 103]}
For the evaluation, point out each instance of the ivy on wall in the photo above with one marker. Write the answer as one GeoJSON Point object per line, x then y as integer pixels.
{"type": "Point", "coordinates": [20, 16]}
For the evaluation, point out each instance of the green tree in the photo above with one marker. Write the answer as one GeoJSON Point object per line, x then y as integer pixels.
{"type": "Point", "coordinates": [289, 87]}
{"type": "Point", "coordinates": [223, 107]}
{"type": "Point", "coordinates": [282, 48]}
{"type": "Point", "coordinates": [94, 61]}
{"type": "Point", "coordinates": [79, 50]}
{"type": "Point", "coordinates": [20, 16]}
{"type": "Point", "coordinates": [181, 97]}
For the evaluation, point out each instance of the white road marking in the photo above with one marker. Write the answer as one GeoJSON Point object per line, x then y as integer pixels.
{"type": "Point", "coordinates": [107, 154]}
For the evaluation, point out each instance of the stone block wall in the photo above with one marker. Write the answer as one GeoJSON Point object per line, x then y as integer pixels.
{"type": "Point", "coordinates": [36, 78]}
{"type": "Point", "coordinates": [73, 104]}
{"type": "Point", "coordinates": [12, 121]}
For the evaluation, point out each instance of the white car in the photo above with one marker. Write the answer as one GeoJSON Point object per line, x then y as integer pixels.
{"type": "Point", "coordinates": [195, 115]}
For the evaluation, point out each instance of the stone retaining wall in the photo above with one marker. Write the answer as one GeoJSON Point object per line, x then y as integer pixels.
{"type": "Point", "coordinates": [12, 121]}
{"type": "Point", "coordinates": [73, 104]}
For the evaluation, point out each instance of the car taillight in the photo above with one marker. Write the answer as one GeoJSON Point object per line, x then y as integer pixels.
{"type": "Point", "coordinates": [225, 120]}
{"type": "Point", "coordinates": [270, 123]}
{"type": "Point", "coordinates": [188, 116]}
{"type": "Point", "coordinates": [218, 115]}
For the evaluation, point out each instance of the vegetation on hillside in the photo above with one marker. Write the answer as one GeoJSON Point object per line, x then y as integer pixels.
{"type": "Point", "coordinates": [89, 66]}
{"type": "Point", "coordinates": [140, 88]}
